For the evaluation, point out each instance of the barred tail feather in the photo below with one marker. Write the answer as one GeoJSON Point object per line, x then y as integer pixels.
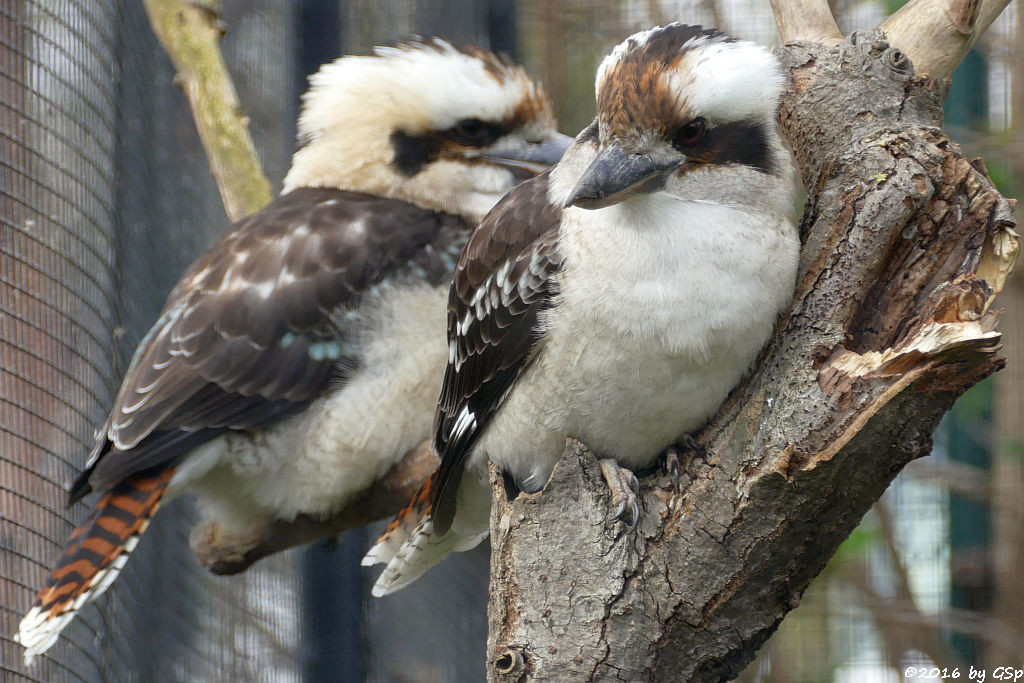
{"type": "Point", "coordinates": [409, 546]}
{"type": "Point", "coordinates": [95, 554]}
{"type": "Point", "coordinates": [422, 551]}
{"type": "Point", "coordinates": [403, 526]}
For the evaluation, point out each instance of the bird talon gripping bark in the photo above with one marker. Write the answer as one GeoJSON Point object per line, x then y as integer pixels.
{"type": "Point", "coordinates": [697, 449]}
{"type": "Point", "coordinates": [670, 464]}
{"type": "Point", "coordinates": [624, 488]}
{"type": "Point", "coordinates": [672, 455]}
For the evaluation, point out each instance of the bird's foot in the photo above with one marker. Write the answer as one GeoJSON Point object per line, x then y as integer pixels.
{"type": "Point", "coordinates": [697, 449]}
{"type": "Point", "coordinates": [625, 489]}
{"type": "Point", "coordinates": [673, 453]}
{"type": "Point", "coordinates": [670, 463]}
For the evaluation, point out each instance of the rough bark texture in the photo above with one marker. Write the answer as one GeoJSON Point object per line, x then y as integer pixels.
{"type": "Point", "coordinates": [890, 323]}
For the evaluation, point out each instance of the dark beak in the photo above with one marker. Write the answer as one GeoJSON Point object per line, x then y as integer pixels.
{"type": "Point", "coordinates": [616, 175]}
{"type": "Point", "coordinates": [528, 157]}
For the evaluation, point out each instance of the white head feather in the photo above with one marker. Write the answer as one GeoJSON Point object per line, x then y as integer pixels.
{"type": "Point", "coordinates": [657, 81]}
{"type": "Point", "coordinates": [721, 78]}
{"type": "Point", "coordinates": [730, 81]}
{"type": "Point", "coordinates": [355, 104]}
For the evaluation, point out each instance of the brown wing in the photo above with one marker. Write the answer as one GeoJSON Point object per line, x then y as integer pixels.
{"type": "Point", "coordinates": [503, 281]}
{"type": "Point", "coordinates": [247, 334]}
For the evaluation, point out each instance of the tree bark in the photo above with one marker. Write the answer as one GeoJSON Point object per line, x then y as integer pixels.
{"type": "Point", "coordinates": [905, 244]}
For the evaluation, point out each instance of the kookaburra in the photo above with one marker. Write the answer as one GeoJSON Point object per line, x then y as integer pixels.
{"type": "Point", "coordinates": [301, 356]}
{"type": "Point", "coordinates": [619, 297]}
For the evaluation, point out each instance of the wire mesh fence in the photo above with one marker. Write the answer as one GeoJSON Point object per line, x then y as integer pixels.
{"type": "Point", "coordinates": [106, 196]}
{"type": "Point", "coordinates": [58, 287]}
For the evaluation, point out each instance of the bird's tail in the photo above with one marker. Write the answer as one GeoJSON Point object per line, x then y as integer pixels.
{"type": "Point", "coordinates": [409, 546]}
{"type": "Point", "coordinates": [95, 554]}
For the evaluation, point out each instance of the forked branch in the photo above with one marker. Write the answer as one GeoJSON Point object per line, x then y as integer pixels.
{"type": "Point", "coordinates": [934, 34]}
{"type": "Point", "coordinates": [937, 34]}
{"type": "Point", "coordinates": [806, 20]}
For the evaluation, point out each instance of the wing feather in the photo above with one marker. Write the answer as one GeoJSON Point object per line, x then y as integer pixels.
{"type": "Point", "coordinates": [505, 278]}
{"type": "Point", "coordinates": [246, 336]}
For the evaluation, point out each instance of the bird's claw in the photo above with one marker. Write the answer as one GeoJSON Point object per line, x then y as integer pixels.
{"type": "Point", "coordinates": [625, 489]}
{"type": "Point", "coordinates": [697, 449]}
{"type": "Point", "coordinates": [673, 455]}
{"type": "Point", "coordinates": [671, 464]}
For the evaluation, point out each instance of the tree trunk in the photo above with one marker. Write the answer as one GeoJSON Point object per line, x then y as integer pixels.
{"type": "Point", "coordinates": [905, 244]}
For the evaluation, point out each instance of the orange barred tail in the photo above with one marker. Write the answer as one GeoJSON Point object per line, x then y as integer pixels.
{"type": "Point", "coordinates": [95, 554]}
{"type": "Point", "coordinates": [409, 546]}
{"type": "Point", "coordinates": [403, 526]}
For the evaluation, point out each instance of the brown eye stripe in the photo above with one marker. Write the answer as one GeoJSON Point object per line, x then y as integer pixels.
{"type": "Point", "coordinates": [413, 152]}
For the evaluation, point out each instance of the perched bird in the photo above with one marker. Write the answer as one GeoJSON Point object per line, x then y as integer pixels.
{"type": "Point", "coordinates": [619, 297]}
{"type": "Point", "coordinates": [301, 356]}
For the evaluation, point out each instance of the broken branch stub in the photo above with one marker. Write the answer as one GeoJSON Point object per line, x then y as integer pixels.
{"type": "Point", "coordinates": [937, 34]}
{"type": "Point", "coordinates": [890, 322]}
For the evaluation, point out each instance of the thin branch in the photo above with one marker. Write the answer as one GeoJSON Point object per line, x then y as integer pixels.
{"type": "Point", "coordinates": [918, 632]}
{"type": "Point", "coordinates": [223, 554]}
{"type": "Point", "coordinates": [902, 625]}
{"type": "Point", "coordinates": [190, 32]}
{"type": "Point", "coordinates": [716, 16]}
{"type": "Point", "coordinates": [898, 620]}
{"type": "Point", "coordinates": [809, 20]}
{"type": "Point", "coordinates": [937, 34]}
{"type": "Point", "coordinates": [655, 14]}
{"type": "Point", "coordinates": [960, 478]}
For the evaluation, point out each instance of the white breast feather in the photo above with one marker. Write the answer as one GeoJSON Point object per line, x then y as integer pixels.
{"type": "Point", "coordinates": [653, 327]}
{"type": "Point", "coordinates": [315, 461]}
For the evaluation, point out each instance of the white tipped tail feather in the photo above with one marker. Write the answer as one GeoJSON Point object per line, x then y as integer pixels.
{"type": "Point", "coordinates": [409, 546]}
{"type": "Point", "coordinates": [408, 558]}
{"type": "Point", "coordinates": [96, 553]}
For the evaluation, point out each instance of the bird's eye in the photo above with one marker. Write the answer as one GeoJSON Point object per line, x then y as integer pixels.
{"type": "Point", "coordinates": [690, 133]}
{"type": "Point", "coordinates": [473, 132]}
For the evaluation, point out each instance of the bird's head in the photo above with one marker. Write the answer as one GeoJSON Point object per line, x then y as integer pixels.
{"type": "Point", "coordinates": [444, 127]}
{"type": "Point", "coordinates": [687, 111]}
